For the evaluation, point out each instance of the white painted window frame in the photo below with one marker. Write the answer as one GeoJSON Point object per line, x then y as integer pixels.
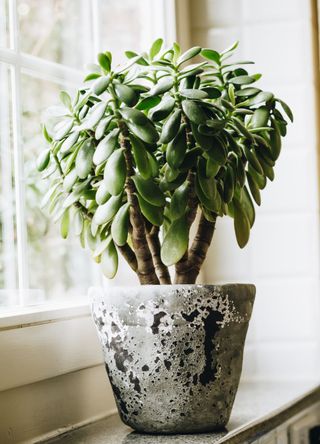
{"type": "Point", "coordinates": [37, 335]}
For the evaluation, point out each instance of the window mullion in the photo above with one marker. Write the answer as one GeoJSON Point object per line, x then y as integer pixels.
{"type": "Point", "coordinates": [21, 221]}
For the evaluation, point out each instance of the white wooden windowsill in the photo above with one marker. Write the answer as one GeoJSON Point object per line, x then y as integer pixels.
{"type": "Point", "coordinates": [43, 342]}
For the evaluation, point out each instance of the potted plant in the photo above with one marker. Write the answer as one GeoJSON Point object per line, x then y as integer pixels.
{"type": "Point", "coordinates": [132, 159]}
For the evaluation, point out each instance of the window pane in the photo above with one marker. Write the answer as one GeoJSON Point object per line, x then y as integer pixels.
{"type": "Point", "coordinates": [8, 259]}
{"type": "Point", "coordinates": [121, 26]}
{"type": "Point", "coordinates": [4, 24]}
{"type": "Point", "coordinates": [57, 268]}
{"type": "Point", "coordinates": [57, 30]}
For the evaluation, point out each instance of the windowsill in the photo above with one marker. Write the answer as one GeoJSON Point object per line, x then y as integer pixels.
{"type": "Point", "coordinates": [259, 408]}
{"type": "Point", "coordinates": [20, 317]}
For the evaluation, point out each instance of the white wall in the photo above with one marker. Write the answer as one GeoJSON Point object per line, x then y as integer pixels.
{"type": "Point", "coordinates": [282, 258]}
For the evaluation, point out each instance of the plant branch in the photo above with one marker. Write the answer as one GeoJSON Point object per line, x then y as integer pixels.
{"type": "Point", "coordinates": [197, 252]}
{"type": "Point", "coordinates": [155, 247]}
{"type": "Point", "coordinates": [145, 270]}
{"type": "Point", "coordinates": [129, 256]}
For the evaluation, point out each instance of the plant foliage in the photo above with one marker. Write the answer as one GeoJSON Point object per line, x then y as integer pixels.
{"type": "Point", "coordinates": [146, 145]}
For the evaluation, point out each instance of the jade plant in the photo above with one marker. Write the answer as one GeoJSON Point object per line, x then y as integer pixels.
{"type": "Point", "coordinates": [143, 148]}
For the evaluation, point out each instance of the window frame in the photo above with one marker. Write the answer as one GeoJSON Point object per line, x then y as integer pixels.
{"type": "Point", "coordinates": [18, 323]}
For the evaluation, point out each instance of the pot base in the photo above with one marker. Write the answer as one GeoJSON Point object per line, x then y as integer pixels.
{"type": "Point", "coordinates": [173, 353]}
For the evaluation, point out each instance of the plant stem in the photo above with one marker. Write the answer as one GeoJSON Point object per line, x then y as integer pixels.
{"type": "Point", "coordinates": [129, 256]}
{"type": "Point", "coordinates": [145, 270]}
{"type": "Point", "coordinates": [154, 245]}
{"type": "Point", "coordinates": [189, 270]}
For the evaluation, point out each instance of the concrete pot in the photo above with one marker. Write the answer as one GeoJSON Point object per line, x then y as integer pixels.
{"type": "Point", "coordinates": [173, 353]}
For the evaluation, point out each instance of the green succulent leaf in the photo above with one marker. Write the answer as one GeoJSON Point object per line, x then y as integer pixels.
{"type": "Point", "coordinates": [162, 110]}
{"type": "Point", "coordinates": [106, 147]}
{"type": "Point", "coordinates": [104, 61]}
{"type": "Point", "coordinates": [64, 224]}
{"type": "Point", "coordinates": [171, 127]}
{"type": "Point", "coordinates": [43, 160]}
{"type": "Point", "coordinates": [176, 149]}
{"type": "Point", "coordinates": [286, 109]}
{"type": "Point", "coordinates": [211, 55]}
{"type": "Point", "coordinates": [196, 94]}
{"type": "Point", "coordinates": [120, 225]}
{"type": "Point", "coordinates": [100, 85]}
{"type": "Point", "coordinates": [126, 94]}
{"type": "Point", "coordinates": [94, 116]}
{"type": "Point", "coordinates": [162, 86]}
{"type": "Point", "coordinates": [241, 225]}
{"type": "Point", "coordinates": [155, 48]}
{"type": "Point", "coordinates": [148, 103]}
{"type": "Point", "coordinates": [242, 80]}
{"type": "Point", "coordinates": [84, 158]}
{"type": "Point", "coordinates": [149, 191]}
{"type": "Point", "coordinates": [193, 111]}
{"type": "Point", "coordinates": [115, 172]}
{"type": "Point", "coordinates": [109, 261]}
{"type": "Point", "coordinates": [141, 158]}
{"type": "Point", "coordinates": [106, 212]}
{"type": "Point", "coordinates": [175, 242]}
{"type": "Point", "coordinates": [146, 132]}
{"type": "Point", "coordinates": [192, 52]}
{"type": "Point", "coordinates": [152, 213]}
{"type": "Point", "coordinates": [179, 201]}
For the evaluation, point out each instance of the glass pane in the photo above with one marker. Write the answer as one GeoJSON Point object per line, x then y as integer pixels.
{"type": "Point", "coordinates": [121, 27]}
{"type": "Point", "coordinates": [57, 268]}
{"type": "Point", "coordinates": [8, 259]}
{"type": "Point", "coordinates": [4, 24]}
{"type": "Point", "coordinates": [56, 30]}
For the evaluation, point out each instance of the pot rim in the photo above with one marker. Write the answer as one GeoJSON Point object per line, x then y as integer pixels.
{"type": "Point", "coordinates": [170, 286]}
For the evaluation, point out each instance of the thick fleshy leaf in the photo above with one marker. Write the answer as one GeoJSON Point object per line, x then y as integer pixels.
{"type": "Point", "coordinates": [155, 48]}
{"type": "Point", "coordinates": [255, 192]}
{"type": "Point", "coordinates": [241, 225]}
{"type": "Point", "coordinates": [148, 103]}
{"type": "Point", "coordinates": [62, 129]}
{"type": "Point", "coordinates": [120, 225]}
{"type": "Point", "coordinates": [43, 160]}
{"type": "Point", "coordinates": [141, 157]}
{"type": "Point", "coordinates": [135, 116]}
{"type": "Point", "coordinates": [162, 110]}
{"type": "Point", "coordinates": [69, 180]}
{"type": "Point", "coordinates": [109, 261]}
{"type": "Point", "coordinates": [247, 92]}
{"type": "Point", "coordinates": [179, 201]}
{"type": "Point", "coordinates": [70, 141]}
{"type": "Point", "coordinates": [176, 149]}
{"type": "Point", "coordinates": [248, 207]}
{"type": "Point", "coordinates": [175, 242]}
{"type": "Point", "coordinates": [94, 116]}
{"type": "Point", "coordinates": [146, 132]}
{"type": "Point", "coordinates": [242, 80]}
{"type": "Point", "coordinates": [196, 94]}
{"type": "Point", "coordinates": [275, 140]}
{"type": "Point", "coordinates": [171, 127]}
{"type": "Point", "coordinates": [260, 117]}
{"type": "Point", "coordinates": [261, 97]}
{"type": "Point", "coordinates": [100, 85]}
{"type": "Point", "coordinates": [286, 109]}
{"type": "Point", "coordinates": [210, 54]}
{"type": "Point", "coordinates": [162, 86]}
{"type": "Point", "coordinates": [193, 111]}
{"type": "Point", "coordinates": [84, 161]}
{"type": "Point", "coordinates": [149, 191]}
{"type": "Point", "coordinates": [102, 194]}
{"type": "Point", "coordinates": [189, 54]}
{"type": "Point", "coordinates": [126, 94]}
{"type": "Point", "coordinates": [105, 147]}
{"type": "Point", "coordinates": [64, 224]}
{"type": "Point", "coordinates": [152, 213]}
{"type": "Point", "coordinates": [115, 172]}
{"type": "Point", "coordinates": [104, 61]}
{"type": "Point", "coordinates": [102, 127]}
{"type": "Point", "coordinates": [105, 213]}
{"type": "Point", "coordinates": [213, 93]}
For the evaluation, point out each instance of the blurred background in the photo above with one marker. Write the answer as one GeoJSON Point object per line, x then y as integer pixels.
{"type": "Point", "coordinates": [46, 45]}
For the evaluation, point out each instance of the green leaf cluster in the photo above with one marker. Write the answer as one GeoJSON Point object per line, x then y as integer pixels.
{"type": "Point", "coordinates": [170, 124]}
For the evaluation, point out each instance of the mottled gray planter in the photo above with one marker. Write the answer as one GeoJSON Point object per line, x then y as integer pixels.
{"type": "Point", "coordinates": [173, 353]}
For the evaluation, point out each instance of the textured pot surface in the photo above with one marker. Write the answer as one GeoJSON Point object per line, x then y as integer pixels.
{"type": "Point", "coordinates": [173, 353]}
